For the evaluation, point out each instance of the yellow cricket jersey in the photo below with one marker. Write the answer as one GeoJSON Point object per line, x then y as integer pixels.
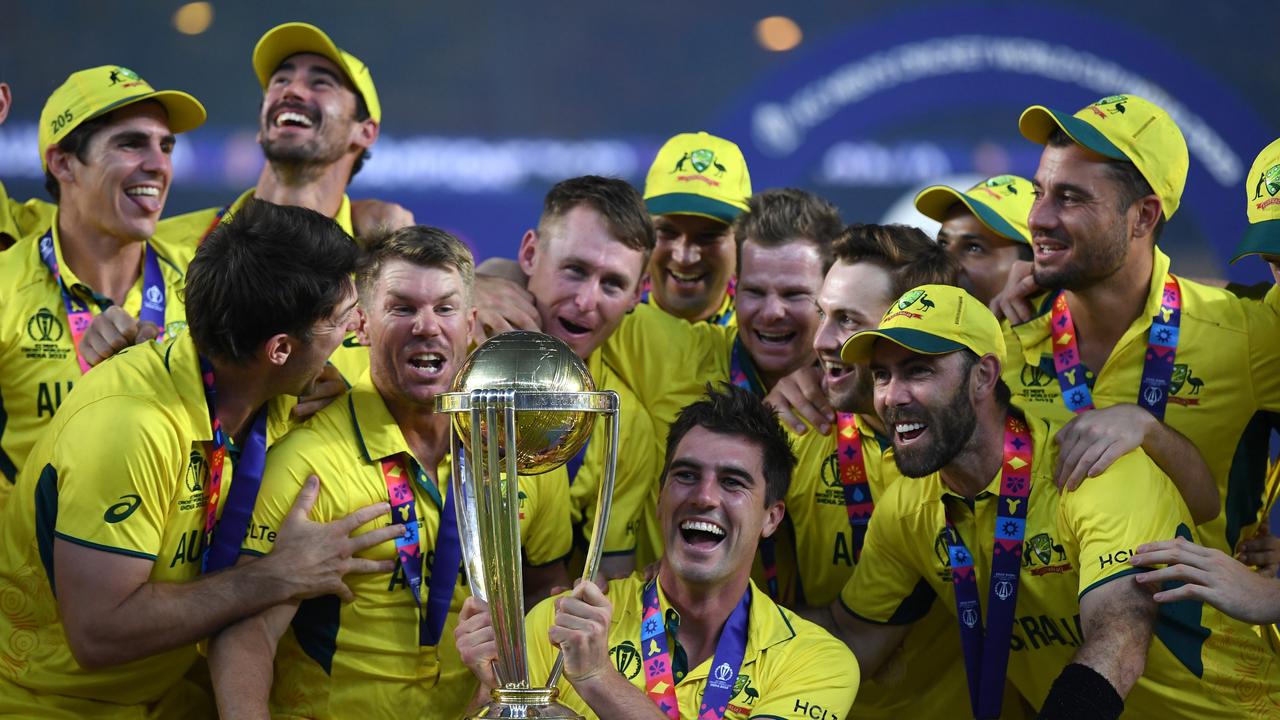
{"type": "Point", "coordinates": [636, 474]}
{"type": "Point", "coordinates": [667, 362]}
{"type": "Point", "coordinates": [726, 315]}
{"type": "Point", "coordinates": [20, 219]}
{"type": "Point", "coordinates": [190, 229]}
{"type": "Point", "coordinates": [121, 469]}
{"type": "Point", "coordinates": [791, 669]}
{"type": "Point", "coordinates": [362, 658]}
{"type": "Point", "coordinates": [1200, 663]}
{"type": "Point", "coordinates": [824, 562]}
{"type": "Point", "coordinates": [38, 364]}
{"type": "Point", "coordinates": [1224, 373]}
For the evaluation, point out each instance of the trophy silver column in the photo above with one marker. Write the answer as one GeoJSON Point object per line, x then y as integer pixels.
{"type": "Point", "coordinates": [523, 404]}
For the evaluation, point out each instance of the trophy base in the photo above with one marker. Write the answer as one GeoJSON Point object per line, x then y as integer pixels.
{"type": "Point", "coordinates": [525, 704]}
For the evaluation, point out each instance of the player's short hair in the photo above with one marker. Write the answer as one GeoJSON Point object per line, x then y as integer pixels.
{"type": "Point", "coordinates": [270, 269]}
{"type": "Point", "coordinates": [736, 411]}
{"type": "Point", "coordinates": [911, 257]}
{"type": "Point", "coordinates": [419, 245]}
{"type": "Point", "coordinates": [616, 200]}
{"type": "Point", "coordinates": [76, 143]}
{"type": "Point", "coordinates": [779, 216]}
{"type": "Point", "coordinates": [1129, 182]}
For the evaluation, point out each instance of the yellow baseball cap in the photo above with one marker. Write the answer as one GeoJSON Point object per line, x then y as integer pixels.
{"type": "Point", "coordinates": [1123, 127]}
{"type": "Point", "coordinates": [1001, 203]}
{"type": "Point", "coordinates": [1262, 193]}
{"type": "Point", "coordinates": [292, 38]}
{"type": "Point", "coordinates": [698, 174]}
{"type": "Point", "coordinates": [87, 94]}
{"type": "Point", "coordinates": [932, 320]}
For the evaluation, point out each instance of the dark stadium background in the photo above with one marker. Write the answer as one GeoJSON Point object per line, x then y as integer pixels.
{"type": "Point", "coordinates": [486, 104]}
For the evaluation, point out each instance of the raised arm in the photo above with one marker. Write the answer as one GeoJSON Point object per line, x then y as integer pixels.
{"type": "Point", "coordinates": [1117, 618]}
{"type": "Point", "coordinates": [114, 614]}
{"type": "Point", "coordinates": [1092, 441]}
{"type": "Point", "coordinates": [1210, 576]}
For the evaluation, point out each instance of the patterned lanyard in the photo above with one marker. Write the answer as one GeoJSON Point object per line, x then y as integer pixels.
{"type": "Point", "coordinates": [1157, 369]}
{"type": "Point", "coordinates": [217, 218]}
{"type": "Point", "coordinates": [659, 677]}
{"type": "Point", "coordinates": [448, 550]}
{"type": "Point", "coordinates": [986, 654]}
{"type": "Point", "coordinates": [575, 462]}
{"type": "Point", "coordinates": [742, 373]}
{"type": "Point", "coordinates": [853, 479]}
{"type": "Point", "coordinates": [79, 316]}
{"type": "Point", "coordinates": [222, 550]}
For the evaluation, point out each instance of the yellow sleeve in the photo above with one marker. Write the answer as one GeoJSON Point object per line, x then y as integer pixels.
{"type": "Point", "coordinates": [20, 219]}
{"type": "Point", "coordinates": [542, 654]}
{"type": "Point", "coordinates": [635, 475]}
{"type": "Point", "coordinates": [817, 677]}
{"type": "Point", "coordinates": [288, 466]}
{"type": "Point", "coordinates": [1101, 526]}
{"type": "Point", "coordinates": [116, 493]}
{"type": "Point", "coordinates": [667, 361]}
{"type": "Point", "coordinates": [546, 534]}
{"type": "Point", "coordinates": [886, 586]}
{"type": "Point", "coordinates": [1263, 324]}
{"type": "Point", "coordinates": [187, 229]}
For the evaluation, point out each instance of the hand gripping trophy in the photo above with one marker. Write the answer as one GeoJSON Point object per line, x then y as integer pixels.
{"type": "Point", "coordinates": [522, 403]}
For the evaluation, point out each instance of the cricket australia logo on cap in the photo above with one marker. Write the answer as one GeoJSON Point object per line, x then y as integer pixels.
{"type": "Point", "coordinates": [912, 305]}
{"type": "Point", "coordinates": [1001, 186]}
{"type": "Point", "coordinates": [700, 160]}
{"type": "Point", "coordinates": [1268, 182]}
{"type": "Point", "coordinates": [124, 77]}
{"type": "Point", "coordinates": [1111, 104]}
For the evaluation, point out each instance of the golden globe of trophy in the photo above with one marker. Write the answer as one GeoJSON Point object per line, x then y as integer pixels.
{"type": "Point", "coordinates": [523, 403]}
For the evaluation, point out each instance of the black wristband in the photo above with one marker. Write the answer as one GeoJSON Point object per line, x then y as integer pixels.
{"type": "Point", "coordinates": [1081, 693]}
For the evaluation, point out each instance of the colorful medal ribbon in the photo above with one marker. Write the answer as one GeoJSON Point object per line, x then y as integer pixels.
{"type": "Point", "coordinates": [1157, 369]}
{"type": "Point", "coordinates": [217, 218]}
{"type": "Point", "coordinates": [986, 654]}
{"type": "Point", "coordinates": [742, 373]}
{"type": "Point", "coordinates": [727, 308]}
{"type": "Point", "coordinates": [222, 549]}
{"type": "Point", "coordinates": [575, 462]}
{"type": "Point", "coordinates": [853, 479]}
{"type": "Point", "coordinates": [79, 316]}
{"type": "Point", "coordinates": [1066, 358]}
{"type": "Point", "coordinates": [659, 677]}
{"type": "Point", "coordinates": [448, 550]}
{"type": "Point", "coordinates": [1162, 348]}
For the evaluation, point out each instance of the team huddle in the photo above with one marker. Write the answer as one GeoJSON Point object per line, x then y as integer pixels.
{"type": "Point", "coordinates": [1017, 470]}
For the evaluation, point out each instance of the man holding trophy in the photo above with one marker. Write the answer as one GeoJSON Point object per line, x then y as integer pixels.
{"type": "Point", "coordinates": [382, 651]}
{"type": "Point", "coordinates": [699, 639]}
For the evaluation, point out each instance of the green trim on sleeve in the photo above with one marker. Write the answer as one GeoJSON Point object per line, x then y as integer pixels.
{"type": "Point", "coordinates": [105, 548]}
